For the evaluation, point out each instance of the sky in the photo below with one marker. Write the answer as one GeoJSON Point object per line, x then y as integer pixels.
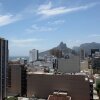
{"type": "Point", "coordinates": [43, 24]}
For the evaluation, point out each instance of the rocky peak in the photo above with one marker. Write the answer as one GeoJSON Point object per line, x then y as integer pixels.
{"type": "Point", "coordinates": [62, 46]}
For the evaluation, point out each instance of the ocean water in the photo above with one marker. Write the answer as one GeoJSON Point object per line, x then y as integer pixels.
{"type": "Point", "coordinates": [18, 57]}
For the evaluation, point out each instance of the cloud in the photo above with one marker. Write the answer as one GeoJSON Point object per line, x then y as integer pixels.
{"type": "Point", "coordinates": [71, 43]}
{"type": "Point", "coordinates": [45, 7]}
{"type": "Point", "coordinates": [57, 22]}
{"type": "Point", "coordinates": [8, 19]}
{"type": "Point", "coordinates": [35, 28]}
{"type": "Point", "coordinates": [24, 42]}
{"type": "Point", "coordinates": [49, 10]}
{"type": "Point", "coordinates": [22, 46]}
{"type": "Point", "coordinates": [94, 35]}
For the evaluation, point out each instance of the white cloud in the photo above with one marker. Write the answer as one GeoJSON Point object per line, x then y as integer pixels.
{"type": "Point", "coordinates": [24, 42]}
{"type": "Point", "coordinates": [57, 22]}
{"type": "Point", "coordinates": [72, 43]}
{"type": "Point", "coordinates": [7, 19]}
{"type": "Point", "coordinates": [21, 47]}
{"type": "Point", "coordinates": [94, 35]}
{"type": "Point", "coordinates": [35, 28]}
{"type": "Point", "coordinates": [49, 10]}
{"type": "Point", "coordinates": [45, 7]}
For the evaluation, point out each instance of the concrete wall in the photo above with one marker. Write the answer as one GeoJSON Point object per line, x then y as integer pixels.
{"type": "Point", "coordinates": [42, 85]}
{"type": "Point", "coordinates": [84, 65]}
{"type": "Point", "coordinates": [71, 65]}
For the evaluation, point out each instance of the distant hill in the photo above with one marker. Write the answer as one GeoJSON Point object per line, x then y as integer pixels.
{"type": "Point", "coordinates": [62, 46]}
{"type": "Point", "coordinates": [87, 47]}
{"type": "Point", "coordinates": [76, 50]}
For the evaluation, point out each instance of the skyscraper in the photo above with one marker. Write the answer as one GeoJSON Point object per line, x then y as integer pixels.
{"type": "Point", "coordinates": [33, 55]}
{"type": "Point", "coordinates": [3, 67]}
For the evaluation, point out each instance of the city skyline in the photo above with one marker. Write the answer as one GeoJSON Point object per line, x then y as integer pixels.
{"type": "Point", "coordinates": [43, 24]}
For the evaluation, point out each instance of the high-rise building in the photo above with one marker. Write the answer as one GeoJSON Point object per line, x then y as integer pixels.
{"type": "Point", "coordinates": [82, 54]}
{"type": "Point", "coordinates": [16, 79]}
{"type": "Point", "coordinates": [3, 67]}
{"type": "Point", "coordinates": [33, 55]}
{"type": "Point", "coordinates": [93, 51]}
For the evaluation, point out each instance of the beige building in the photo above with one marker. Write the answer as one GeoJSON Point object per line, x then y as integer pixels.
{"type": "Point", "coordinates": [84, 65]}
{"type": "Point", "coordinates": [70, 65]}
{"type": "Point", "coordinates": [42, 85]}
{"type": "Point", "coordinates": [16, 79]}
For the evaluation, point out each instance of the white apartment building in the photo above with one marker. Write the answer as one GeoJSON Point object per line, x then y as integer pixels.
{"type": "Point", "coordinates": [33, 55]}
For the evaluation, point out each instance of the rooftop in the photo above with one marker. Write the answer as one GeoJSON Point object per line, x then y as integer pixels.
{"type": "Point", "coordinates": [39, 72]}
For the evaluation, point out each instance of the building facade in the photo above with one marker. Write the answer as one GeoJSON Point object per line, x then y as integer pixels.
{"type": "Point", "coordinates": [59, 96]}
{"type": "Point", "coordinates": [17, 80]}
{"type": "Point", "coordinates": [69, 65]}
{"type": "Point", "coordinates": [42, 85]}
{"type": "Point", "coordinates": [82, 54]}
{"type": "Point", "coordinates": [3, 67]}
{"type": "Point", "coordinates": [33, 55]}
{"type": "Point", "coordinates": [96, 65]}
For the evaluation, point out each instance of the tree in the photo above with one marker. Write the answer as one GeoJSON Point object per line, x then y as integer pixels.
{"type": "Point", "coordinates": [98, 89]}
